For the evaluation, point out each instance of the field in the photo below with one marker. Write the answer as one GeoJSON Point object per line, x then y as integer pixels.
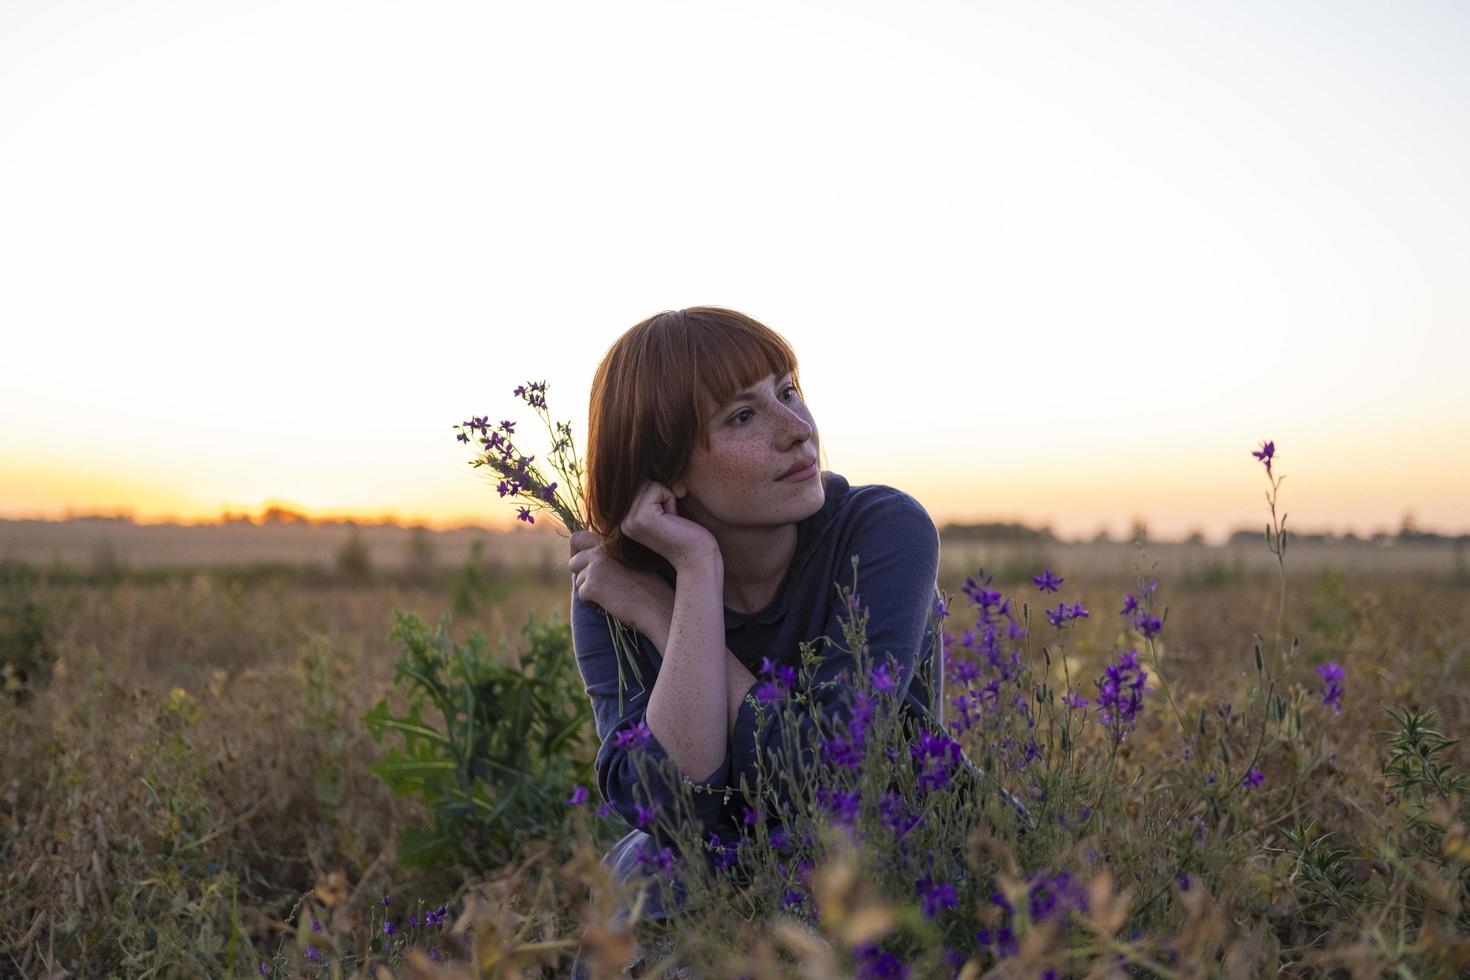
{"type": "Point", "coordinates": [185, 788]}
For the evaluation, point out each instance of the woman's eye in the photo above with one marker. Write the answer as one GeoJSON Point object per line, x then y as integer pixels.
{"type": "Point", "coordinates": [737, 416]}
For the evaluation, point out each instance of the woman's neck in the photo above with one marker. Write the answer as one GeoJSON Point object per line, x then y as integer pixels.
{"type": "Point", "coordinates": [755, 561]}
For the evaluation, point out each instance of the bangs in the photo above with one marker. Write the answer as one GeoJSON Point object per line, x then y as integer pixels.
{"type": "Point", "coordinates": [729, 356]}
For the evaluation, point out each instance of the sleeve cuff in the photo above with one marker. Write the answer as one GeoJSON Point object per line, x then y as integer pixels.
{"type": "Point", "coordinates": [709, 793]}
{"type": "Point", "coordinates": [743, 746]}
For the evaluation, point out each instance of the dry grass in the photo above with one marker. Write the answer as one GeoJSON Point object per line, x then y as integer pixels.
{"type": "Point", "coordinates": [194, 770]}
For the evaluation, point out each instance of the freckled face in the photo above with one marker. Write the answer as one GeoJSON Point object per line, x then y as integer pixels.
{"type": "Point", "coordinates": [753, 440]}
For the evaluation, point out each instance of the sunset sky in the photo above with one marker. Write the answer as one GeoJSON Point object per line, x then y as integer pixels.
{"type": "Point", "coordinates": [1066, 264]}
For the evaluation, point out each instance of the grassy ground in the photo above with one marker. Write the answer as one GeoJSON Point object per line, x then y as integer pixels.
{"type": "Point", "coordinates": [183, 763]}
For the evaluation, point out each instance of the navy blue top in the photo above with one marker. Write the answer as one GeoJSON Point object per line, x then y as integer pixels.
{"type": "Point", "coordinates": [897, 546]}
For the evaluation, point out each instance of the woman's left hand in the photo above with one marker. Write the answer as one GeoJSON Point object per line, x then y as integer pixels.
{"type": "Point", "coordinates": [634, 597]}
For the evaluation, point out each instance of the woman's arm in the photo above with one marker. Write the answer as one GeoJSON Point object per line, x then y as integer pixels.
{"type": "Point", "coordinates": [689, 701]}
{"type": "Point", "coordinates": [738, 680]}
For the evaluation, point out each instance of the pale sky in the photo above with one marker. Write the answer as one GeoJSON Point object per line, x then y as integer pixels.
{"type": "Point", "coordinates": [1064, 263]}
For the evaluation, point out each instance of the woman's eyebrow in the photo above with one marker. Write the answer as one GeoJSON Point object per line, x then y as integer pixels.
{"type": "Point", "coordinates": [748, 392]}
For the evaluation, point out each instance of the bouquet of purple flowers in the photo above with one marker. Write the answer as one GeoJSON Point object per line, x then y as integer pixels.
{"type": "Point", "coordinates": [531, 492]}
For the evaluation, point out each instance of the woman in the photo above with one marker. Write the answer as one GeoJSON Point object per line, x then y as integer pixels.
{"type": "Point", "coordinates": [721, 540]}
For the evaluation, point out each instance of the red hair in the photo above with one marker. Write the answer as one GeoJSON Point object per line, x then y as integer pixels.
{"type": "Point", "coordinates": [648, 406]}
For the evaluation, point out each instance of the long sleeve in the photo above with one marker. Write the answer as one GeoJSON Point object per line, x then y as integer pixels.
{"type": "Point", "coordinates": [897, 546]}
{"type": "Point", "coordinates": [617, 775]}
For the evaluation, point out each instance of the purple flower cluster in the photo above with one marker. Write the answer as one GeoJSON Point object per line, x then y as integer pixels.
{"type": "Point", "coordinates": [644, 815]}
{"type": "Point", "coordinates": [519, 480]}
{"type": "Point", "coordinates": [634, 737]}
{"type": "Point", "coordinates": [884, 677]}
{"type": "Point", "coordinates": [1046, 582]}
{"type": "Point", "coordinates": [781, 681]}
{"type": "Point", "coordinates": [1064, 614]}
{"type": "Point", "coordinates": [1332, 676]}
{"type": "Point", "coordinates": [988, 664]}
{"type": "Point", "coordinates": [898, 817]}
{"type": "Point", "coordinates": [1143, 621]}
{"type": "Point", "coordinates": [847, 749]}
{"type": "Point", "coordinates": [1052, 896]}
{"type": "Point", "coordinates": [1252, 779]}
{"type": "Point", "coordinates": [937, 755]}
{"type": "Point", "coordinates": [1048, 897]}
{"type": "Point", "coordinates": [935, 896]}
{"type": "Point", "coordinates": [874, 963]}
{"type": "Point", "coordinates": [726, 855]}
{"type": "Point", "coordinates": [578, 797]}
{"type": "Point", "coordinates": [652, 861]}
{"type": "Point", "coordinates": [842, 807]}
{"type": "Point", "coordinates": [1120, 695]}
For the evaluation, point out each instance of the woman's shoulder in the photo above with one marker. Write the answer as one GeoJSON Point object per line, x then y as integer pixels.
{"type": "Point", "coordinates": [879, 501]}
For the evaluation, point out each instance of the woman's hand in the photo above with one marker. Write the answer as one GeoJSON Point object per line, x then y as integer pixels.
{"type": "Point", "coordinates": [636, 598]}
{"type": "Point", "coordinates": [654, 522]}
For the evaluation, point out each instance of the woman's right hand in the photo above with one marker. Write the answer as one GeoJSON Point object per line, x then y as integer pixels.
{"type": "Point", "coordinates": [654, 522]}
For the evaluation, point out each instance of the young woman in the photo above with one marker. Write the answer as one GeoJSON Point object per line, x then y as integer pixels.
{"type": "Point", "coordinates": [720, 538]}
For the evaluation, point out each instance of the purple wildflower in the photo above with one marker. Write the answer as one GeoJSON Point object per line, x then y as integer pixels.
{"type": "Point", "coordinates": [842, 806]}
{"type": "Point", "coordinates": [548, 493]}
{"type": "Point", "coordinates": [663, 859]}
{"type": "Point", "coordinates": [935, 896]}
{"type": "Point", "coordinates": [635, 737]}
{"type": "Point", "coordinates": [578, 797]}
{"type": "Point", "coordinates": [937, 754]}
{"type": "Point", "coordinates": [433, 953]}
{"type": "Point", "coordinates": [312, 953]}
{"type": "Point", "coordinates": [882, 679]}
{"type": "Point", "coordinates": [1047, 582]}
{"type": "Point", "coordinates": [603, 810]}
{"type": "Point", "coordinates": [1252, 779]}
{"type": "Point", "coordinates": [896, 815]}
{"type": "Point", "coordinates": [727, 854]}
{"type": "Point", "coordinates": [1074, 700]}
{"type": "Point", "coordinates": [962, 672]}
{"type": "Point", "coordinates": [1332, 676]}
{"type": "Point", "coordinates": [1054, 895]}
{"type": "Point", "coordinates": [1265, 454]}
{"type": "Point", "coordinates": [389, 928]}
{"type": "Point", "coordinates": [876, 964]}
{"type": "Point", "coordinates": [643, 815]}
{"type": "Point", "coordinates": [782, 681]}
{"type": "Point", "coordinates": [1064, 614]}
{"type": "Point", "coordinates": [1120, 695]}
{"type": "Point", "coordinates": [316, 925]}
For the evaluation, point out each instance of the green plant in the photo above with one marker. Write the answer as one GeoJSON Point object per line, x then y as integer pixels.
{"type": "Point", "coordinates": [492, 747]}
{"type": "Point", "coordinates": [1417, 770]}
{"type": "Point", "coordinates": [26, 660]}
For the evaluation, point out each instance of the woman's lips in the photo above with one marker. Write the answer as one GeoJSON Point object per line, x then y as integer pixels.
{"type": "Point", "coordinates": [800, 475]}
